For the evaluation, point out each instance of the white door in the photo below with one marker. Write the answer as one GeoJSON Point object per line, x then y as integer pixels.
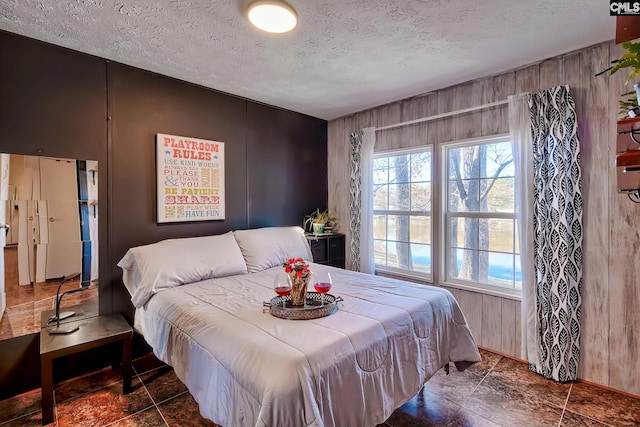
{"type": "Point", "coordinates": [59, 218]}
{"type": "Point", "coordinates": [24, 171]}
{"type": "Point", "coordinates": [4, 196]}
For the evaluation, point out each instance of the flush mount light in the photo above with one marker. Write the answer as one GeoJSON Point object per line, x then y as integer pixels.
{"type": "Point", "coordinates": [272, 16]}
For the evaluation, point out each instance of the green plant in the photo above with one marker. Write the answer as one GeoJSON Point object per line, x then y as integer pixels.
{"type": "Point", "coordinates": [318, 217]}
{"type": "Point", "coordinates": [630, 59]}
{"type": "Point", "coordinates": [629, 103]}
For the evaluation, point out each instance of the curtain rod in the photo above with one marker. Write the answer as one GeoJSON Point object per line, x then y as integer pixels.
{"type": "Point", "coordinates": [442, 115]}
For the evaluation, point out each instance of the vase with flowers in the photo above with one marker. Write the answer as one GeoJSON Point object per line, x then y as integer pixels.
{"type": "Point", "coordinates": [300, 275]}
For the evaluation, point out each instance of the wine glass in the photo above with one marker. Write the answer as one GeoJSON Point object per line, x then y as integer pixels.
{"type": "Point", "coordinates": [282, 286]}
{"type": "Point", "coordinates": [322, 284]}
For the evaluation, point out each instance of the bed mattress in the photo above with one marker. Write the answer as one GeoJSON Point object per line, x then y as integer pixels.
{"type": "Point", "coordinates": [246, 367]}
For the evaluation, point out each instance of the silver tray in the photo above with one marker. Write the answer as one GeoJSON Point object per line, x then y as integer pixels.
{"type": "Point", "coordinates": [312, 309]}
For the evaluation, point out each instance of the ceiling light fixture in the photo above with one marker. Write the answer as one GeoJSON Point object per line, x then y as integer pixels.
{"type": "Point", "coordinates": [272, 16]}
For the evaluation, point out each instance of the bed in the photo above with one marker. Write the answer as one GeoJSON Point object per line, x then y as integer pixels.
{"type": "Point", "coordinates": [199, 305]}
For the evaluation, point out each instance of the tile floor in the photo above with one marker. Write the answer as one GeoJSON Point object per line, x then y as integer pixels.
{"type": "Point", "coordinates": [496, 392]}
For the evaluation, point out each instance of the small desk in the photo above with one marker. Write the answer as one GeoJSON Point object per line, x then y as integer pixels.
{"type": "Point", "coordinates": [94, 332]}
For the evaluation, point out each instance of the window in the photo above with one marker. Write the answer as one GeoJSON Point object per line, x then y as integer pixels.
{"type": "Point", "coordinates": [480, 244]}
{"type": "Point", "coordinates": [402, 211]}
{"type": "Point", "coordinates": [475, 223]}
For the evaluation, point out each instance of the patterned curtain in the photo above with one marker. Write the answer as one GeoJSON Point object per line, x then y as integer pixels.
{"type": "Point", "coordinates": [361, 210]}
{"type": "Point", "coordinates": [557, 222]}
{"type": "Point", "coordinates": [356, 199]}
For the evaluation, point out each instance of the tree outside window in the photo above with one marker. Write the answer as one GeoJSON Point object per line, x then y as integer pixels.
{"type": "Point", "coordinates": [480, 214]}
{"type": "Point", "coordinates": [402, 211]}
{"type": "Point", "coordinates": [480, 248]}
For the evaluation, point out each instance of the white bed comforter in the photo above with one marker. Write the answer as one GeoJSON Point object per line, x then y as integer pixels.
{"type": "Point", "coordinates": [245, 367]}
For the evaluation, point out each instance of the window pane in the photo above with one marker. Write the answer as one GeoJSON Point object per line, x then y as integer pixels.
{"type": "Point", "coordinates": [420, 229]}
{"type": "Point", "coordinates": [380, 252]}
{"type": "Point", "coordinates": [468, 201]}
{"type": "Point", "coordinates": [466, 232]}
{"type": "Point", "coordinates": [496, 160]}
{"type": "Point", "coordinates": [398, 228]}
{"type": "Point", "coordinates": [453, 234]}
{"type": "Point", "coordinates": [421, 258]}
{"type": "Point", "coordinates": [459, 262]}
{"type": "Point", "coordinates": [398, 255]}
{"type": "Point", "coordinates": [499, 195]}
{"type": "Point", "coordinates": [491, 268]}
{"type": "Point", "coordinates": [402, 182]}
{"type": "Point", "coordinates": [421, 197]}
{"type": "Point", "coordinates": [380, 170]}
{"type": "Point", "coordinates": [380, 197]}
{"type": "Point", "coordinates": [500, 234]}
{"type": "Point", "coordinates": [481, 181]}
{"type": "Point", "coordinates": [399, 197]}
{"type": "Point", "coordinates": [391, 227]}
{"type": "Point", "coordinates": [453, 198]}
{"type": "Point", "coordinates": [399, 168]}
{"type": "Point", "coordinates": [421, 167]}
{"type": "Point", "coordinates": [379, 227]}
{"type": "Point", "coordinates": [464, 163]}
{"type": "Point", "coordinates": [483, 235]}
{"type": "Point", "coordinates": [501, 269]}
{"type": "Point", "coordinates": [471, 265]}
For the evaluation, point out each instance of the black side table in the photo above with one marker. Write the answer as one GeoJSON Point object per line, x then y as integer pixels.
{"type": "Point", "coordinates": [93, 332]}
{"type": "Point", "coordinates": [327, 248]}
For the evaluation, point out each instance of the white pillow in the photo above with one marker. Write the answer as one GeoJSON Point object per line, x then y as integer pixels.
{"type": "Point", "coordinates": [268, 247]}
{"type": "Point", "coordinates": [168, 263]}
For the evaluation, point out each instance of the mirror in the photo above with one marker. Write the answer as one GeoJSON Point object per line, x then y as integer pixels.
{"type": "Point", "coordinates": [48, 230]}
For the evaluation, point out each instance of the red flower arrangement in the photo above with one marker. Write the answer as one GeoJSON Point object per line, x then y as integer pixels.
{"type": "Point", "coordinates": [298, 266]}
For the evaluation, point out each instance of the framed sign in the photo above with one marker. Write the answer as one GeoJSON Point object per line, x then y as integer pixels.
{"type": "Point", "coordinates": [190, 179]}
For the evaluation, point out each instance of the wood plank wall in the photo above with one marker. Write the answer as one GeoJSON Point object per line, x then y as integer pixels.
{"type": "Point", "coordinates": [610, 334]}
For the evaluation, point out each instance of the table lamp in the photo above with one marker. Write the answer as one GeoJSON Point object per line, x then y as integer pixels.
{"type": "Point", "coordinates": [65, 314]}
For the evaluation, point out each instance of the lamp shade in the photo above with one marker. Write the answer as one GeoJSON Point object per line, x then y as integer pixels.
{"type": "Point", "coordinates": [272, 16]}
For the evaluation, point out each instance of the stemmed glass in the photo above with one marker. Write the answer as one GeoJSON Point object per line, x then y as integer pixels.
{"type": "Point", "coordinates": [322, 284]}
{"type": "Point", "coordinates": [282, 286]}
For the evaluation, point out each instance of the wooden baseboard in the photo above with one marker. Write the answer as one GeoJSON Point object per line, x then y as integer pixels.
{"type": "Point", "coordinates": [508, 356]}
{"type": "Point", "coordinates": [604, 387]}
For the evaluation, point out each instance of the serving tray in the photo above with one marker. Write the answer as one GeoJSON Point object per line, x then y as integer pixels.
{"type": "Point", "coordinates": [313, 308]}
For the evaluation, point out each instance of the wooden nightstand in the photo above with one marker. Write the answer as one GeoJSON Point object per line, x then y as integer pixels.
{"type": "Point", "coordinates": [93, 332]}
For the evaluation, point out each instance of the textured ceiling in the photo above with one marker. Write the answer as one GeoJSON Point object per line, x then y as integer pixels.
{"type": "Point", "coordinates": [344, 56]}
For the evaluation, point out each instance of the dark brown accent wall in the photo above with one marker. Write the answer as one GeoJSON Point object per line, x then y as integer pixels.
{"type": "Point", "coordinates": [52, 103]}
{"type": "Point", "coordinates": [142, 104]}
{"type": "Point", "coordinates": [287, 172]}
{"type": "Point", "coordinates": [57, 102]}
